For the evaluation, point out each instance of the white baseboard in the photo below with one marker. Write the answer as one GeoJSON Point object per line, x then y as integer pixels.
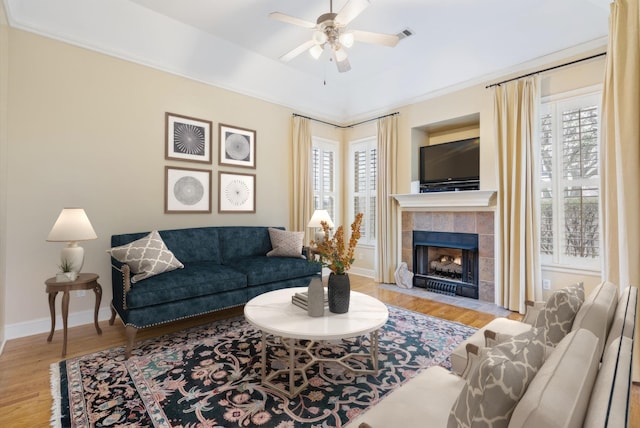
{"type": "Point", "coordinates": [43, 325]}
{"type": "Point", "coordinates": [369, 273]}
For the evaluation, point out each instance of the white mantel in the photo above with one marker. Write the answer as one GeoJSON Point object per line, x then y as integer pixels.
{"type": "Point", "coordinates": [462, 199]}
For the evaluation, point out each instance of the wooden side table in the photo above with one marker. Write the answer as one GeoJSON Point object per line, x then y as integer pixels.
{"type": "Point", "coordinates": [85, 281]}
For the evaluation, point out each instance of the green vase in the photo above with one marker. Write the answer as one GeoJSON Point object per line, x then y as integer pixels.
{"type": "Point", "coordinates": [339, 291]}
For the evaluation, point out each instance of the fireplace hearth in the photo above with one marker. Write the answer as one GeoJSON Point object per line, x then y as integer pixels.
{"type": "Point", "coordinates": [446, 262]}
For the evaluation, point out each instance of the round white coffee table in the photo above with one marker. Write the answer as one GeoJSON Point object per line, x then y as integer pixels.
{"type": "Point", "coordinates": [274, 314]}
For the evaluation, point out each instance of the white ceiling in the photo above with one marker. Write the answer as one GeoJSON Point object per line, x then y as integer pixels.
{"type": "Point", "coordinates": [233, 44]}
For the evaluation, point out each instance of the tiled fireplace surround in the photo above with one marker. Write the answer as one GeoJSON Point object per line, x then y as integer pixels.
{"type": "Point", "coordinates": [480, 222]}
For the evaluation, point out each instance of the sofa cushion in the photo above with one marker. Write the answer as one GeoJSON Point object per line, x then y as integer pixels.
{"type": "Point", "coordinates": [197, 279]}
{"type": "Point", "coordinates": [559, 312]}
{"type": "Point", "coordinates": [285, 244]}
{"type": "Point", "coordinates": [501, 378]}
{"type": "Point", "coordinates": [418, 403]}
{"type": "Point", "coordinates": [181, 242]}
{"type": "Point", "coordinates": [609, 400]}
{"type": "Point", "coordinates": [559, 393]}
{"type": "Point", "coordinates": [263, 269]}
{"type": "Point", "coordinates": [146, 257]}
{"type": "Point", "coordinates": [244, 241]}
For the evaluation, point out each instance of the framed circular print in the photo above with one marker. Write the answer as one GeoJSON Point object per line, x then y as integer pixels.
{"type": "Point", "coordinates": [237, 146]}
{"type": "Point", "coordinates": [187, 190]}
{"type": "Point", "coordinates": [187, 138]}
{"type": "Point", "coordinates": [236, 193]}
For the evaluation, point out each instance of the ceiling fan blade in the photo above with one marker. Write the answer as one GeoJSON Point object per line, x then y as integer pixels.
{"type": "Point", "coordinates": [291, 20]}
{"type": "Point", "coordinates": [351, 10]}
{"type": "Point", "coordinates": [344, 65]}
{"type": "Point", "coordinates": [297, 51]}
{"type": "Point", "coordinates": [377, 38]}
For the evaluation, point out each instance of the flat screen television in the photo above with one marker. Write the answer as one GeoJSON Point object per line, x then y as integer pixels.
{"type": "Point", "coordinates": [449, 164]}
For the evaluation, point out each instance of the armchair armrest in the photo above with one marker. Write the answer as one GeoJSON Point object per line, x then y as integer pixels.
{"type": "Point", "coordinates": [473, 357]}
{"type": "Point", "coordinates": [532, 309]}
{"type": "Point", "coordinates": [493, 338]}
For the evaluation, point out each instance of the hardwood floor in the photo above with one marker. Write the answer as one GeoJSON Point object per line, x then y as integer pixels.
{"type": "Point", "coordinates": [25, 397]}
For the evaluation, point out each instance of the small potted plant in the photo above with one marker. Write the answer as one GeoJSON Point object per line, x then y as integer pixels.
{"type": "Point", "coordinates": [67, 273]}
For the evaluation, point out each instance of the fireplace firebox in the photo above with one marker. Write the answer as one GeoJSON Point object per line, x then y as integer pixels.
{"type": "Point", "coordinates": [446, 262]}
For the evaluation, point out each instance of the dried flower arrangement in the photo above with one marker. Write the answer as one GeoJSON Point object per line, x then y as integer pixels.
{"type": "Point", "coordinates": [332, 251]}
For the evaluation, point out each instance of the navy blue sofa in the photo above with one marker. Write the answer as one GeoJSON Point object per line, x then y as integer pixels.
{"type": "Point", "coordinates": [223, 267]}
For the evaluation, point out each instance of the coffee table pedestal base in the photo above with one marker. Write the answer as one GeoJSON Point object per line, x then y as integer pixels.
{"type": "Point", "coordinates": [294, 349]}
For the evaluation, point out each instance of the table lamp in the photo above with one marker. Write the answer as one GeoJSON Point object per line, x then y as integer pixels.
{"type": "Point", "coordinates": [72, 226]}
{"type": "Point", "coordinates": [316, 221]}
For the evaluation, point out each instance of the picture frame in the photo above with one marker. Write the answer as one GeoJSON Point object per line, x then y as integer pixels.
{"type": "Point", "coordinates": [187, 190]}
{"type": "Point", "coordinates": [237, 146]}
{"type": "Point", "coordinates": [236, 192]}
{"type": "Point", "coordinates": [187, 138]}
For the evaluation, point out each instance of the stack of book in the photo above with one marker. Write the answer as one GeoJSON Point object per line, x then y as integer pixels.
{"type": "Point", "coordinates": [301, 299]}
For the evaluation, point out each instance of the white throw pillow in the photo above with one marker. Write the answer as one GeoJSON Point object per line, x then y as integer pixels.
{"type": "Point", "coordinates": [286, 244]}
{"type": "Point", "coordinates": [146, 257]}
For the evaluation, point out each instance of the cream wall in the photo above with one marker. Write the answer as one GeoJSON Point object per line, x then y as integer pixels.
{"type": "Point", "coordinates": [4, 79]}
{"type": "Point", "coordinates": [87, 130]}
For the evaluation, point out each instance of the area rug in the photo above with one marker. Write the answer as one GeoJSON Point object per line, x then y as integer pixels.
{"type": "Point", "coordinates": [209, 376]}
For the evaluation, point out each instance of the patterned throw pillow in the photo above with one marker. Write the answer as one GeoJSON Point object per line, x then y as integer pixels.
{"type": "Point", "coordinates": [286, 244]}
{"type": "Point", "coordinates": [559, 313]}
{"type": "Point", "coordinates": [146, 257]}
{"type": "Point", "coordinates": [500, 380]}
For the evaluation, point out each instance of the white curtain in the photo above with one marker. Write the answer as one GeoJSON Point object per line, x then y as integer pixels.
{"type": "Point", "coordinates": [387, 153]}
{"type": "Point", "coordinates": [515, 108]}
{"type": "Point", "coordinates": [302, 206]}
{"type": "Point", "coordinates": [620, 152]}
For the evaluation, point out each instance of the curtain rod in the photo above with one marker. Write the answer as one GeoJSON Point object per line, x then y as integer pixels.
{"type": "Point", "coordinates": [546, 69]}
{"type": "Point", "coordinates": [346, 126]}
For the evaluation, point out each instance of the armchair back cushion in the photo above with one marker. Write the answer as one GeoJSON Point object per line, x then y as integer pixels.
{"type": "Point", "coordinates": [558, 396]}
{"type": "Point", "coordinates": [596, 314]}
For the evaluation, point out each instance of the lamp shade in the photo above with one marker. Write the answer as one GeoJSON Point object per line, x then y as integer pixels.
{"type": "Point", "coordinates": [318, 217]}
{"type": "Point", "coordinates": [72, 225]}
{"type": "Point", "coordinates": [316, 51]}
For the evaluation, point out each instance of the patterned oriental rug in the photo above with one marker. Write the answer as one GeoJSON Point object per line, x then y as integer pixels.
{"type": "Point", "coordinates": [209, 376]}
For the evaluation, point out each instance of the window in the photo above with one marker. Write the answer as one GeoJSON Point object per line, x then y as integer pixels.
{"type": "Point", "coordinates": [570, 181]}
{"type": "Point", "coordinates": [363, 164]}
{"type": "Point", "coordinates": [324, 166]}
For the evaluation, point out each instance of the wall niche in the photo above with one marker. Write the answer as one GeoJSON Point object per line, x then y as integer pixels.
{"type": "Point", "coordinates": [455, 129]}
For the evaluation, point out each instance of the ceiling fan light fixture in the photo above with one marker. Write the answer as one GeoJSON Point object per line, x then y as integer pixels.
{"type": "Point", "coordinates": [319, 37]}
{"type": "Point", "coordinates": [346, 39]}
{"type": "Point", "coordinates": [316, 51]}
{"type": "Point", "coordinates": [341, 54]}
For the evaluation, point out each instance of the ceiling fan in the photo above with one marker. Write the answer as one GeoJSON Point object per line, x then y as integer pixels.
{"type": "Point", "coordinates": [331, 31]}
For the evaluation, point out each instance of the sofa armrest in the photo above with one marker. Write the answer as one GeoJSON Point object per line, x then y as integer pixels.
{"type": "Point", "coordinates": [473, 356]}
{"type": "Point", "coordinates": [532, 309]}
{"type": "Point", "coordinates": [125, 282]}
